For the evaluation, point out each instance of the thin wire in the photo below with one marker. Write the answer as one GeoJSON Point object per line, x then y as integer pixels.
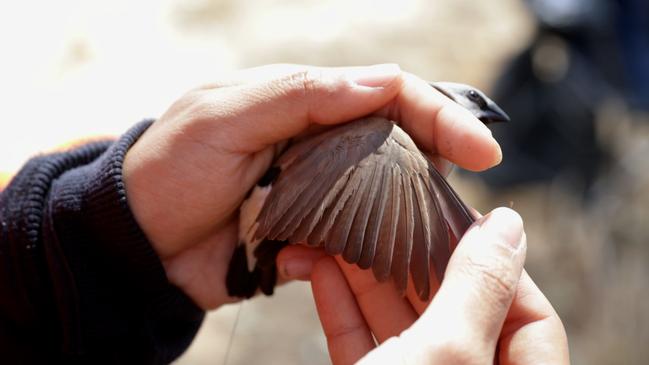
{"type": "Point", "coordinates": [231, 339]}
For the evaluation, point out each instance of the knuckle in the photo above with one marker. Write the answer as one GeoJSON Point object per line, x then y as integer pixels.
{"type": "Point", "coordinates": [340, 332]}
{"type": "Point", "coordinates": [454, 346]}
{"type": "Point", "coordinates": [311, 84]}
{"type": "Point", "coordinates": [365, 286]}
{"type": "Point", "coordinates": [186, 102]}
{"type": "Point", "coordinates": [303, 84]}
{"type": "Point", "coordinates": [495, 279]}
{"type": "Point", "coordinates": [308, 82]}
{"type": "Point", "coordinates": [456, 351]}
{"type": "Point", "coordinates": [203, 110]}
{"type": "Point", "coordinates": [202, 105]}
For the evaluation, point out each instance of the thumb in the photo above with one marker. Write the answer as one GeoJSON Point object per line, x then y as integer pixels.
{"type": "Point", "coordinates": [483, 274]}
{"type": "Point", "coordinates": [464, 320]}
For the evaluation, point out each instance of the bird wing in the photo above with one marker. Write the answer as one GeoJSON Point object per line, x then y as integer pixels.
{"type": "Point", "coordinates": [364, 190]}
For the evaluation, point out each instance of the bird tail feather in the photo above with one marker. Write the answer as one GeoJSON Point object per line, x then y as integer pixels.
{"type": "Point", "coordinates": [243, 283]}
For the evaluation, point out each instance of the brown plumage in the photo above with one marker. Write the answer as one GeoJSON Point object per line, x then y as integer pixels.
{"type": "Point", "coordinates": [364, 190]}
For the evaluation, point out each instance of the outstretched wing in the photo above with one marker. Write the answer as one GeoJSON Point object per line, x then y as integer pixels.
{"type": "Point", "coordinates": [364, 190]}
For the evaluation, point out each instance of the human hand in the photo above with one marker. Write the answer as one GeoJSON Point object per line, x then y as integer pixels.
{"type": "Point", "coordinates": [187, 175]}
{"type": "Point", "coordinates": [487, 310]}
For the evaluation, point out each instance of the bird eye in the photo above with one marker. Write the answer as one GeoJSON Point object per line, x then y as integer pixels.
{"type": "Point", "coordinates": [476, 98]}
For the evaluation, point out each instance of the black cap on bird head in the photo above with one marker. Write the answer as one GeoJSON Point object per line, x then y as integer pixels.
{"type": "Point", "coordinates": [474, 100]}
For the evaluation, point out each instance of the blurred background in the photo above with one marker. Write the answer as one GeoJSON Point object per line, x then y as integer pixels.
{"type": "Point", "coordinates": [572, 74]}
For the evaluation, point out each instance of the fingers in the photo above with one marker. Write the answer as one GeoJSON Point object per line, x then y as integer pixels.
{"type": "Point", "coordinates": [444, 166]}
{"type": "Point", "coordinates": [265, 105]}
{"type": "Point", "coordinates": [296, 262]}
{"type": "Point", "coordinates": [257, 74]}
{"type": "Point", "coordinates": [533, 332]}
{"type": "Point", "coordinates": [386, 311]}
{"type": "Point", "coordinates": [348, 336]}
{"type": "Point", "coordinates": [442, 126]}
{"type": "Point", "coordinates": [416, 302]}
{"type": "Point", "coordinates": [463, 322]}
{"type": "Point", "coordinates": [258, 114]}
{"type": "Point", "coordinates": [482, 276]}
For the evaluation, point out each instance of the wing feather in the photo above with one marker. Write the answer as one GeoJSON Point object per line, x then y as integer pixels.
{"type": "Point", "coordinates": [440, 250]}
{"type": "Point", "coordinates": [319, 212]}
{"type": "Point", "coordinates": [322, 229]}
{"type": "Point", "coordinates": [285, 212]}
{"type": "Point", "coordinates": [310, 200]}
{"type": "Point", "coordinates": [292, 217]}
{"type": "Point", "coordinates": [420, 261]}
{"type": "Point", "coordinates": [388, 231]}
{"type": "Point", "coordinates": [337, 239]}
{"type": "Point", "coordinates": [354, 246]}
{"type": "Point", "coordinates": [456, 213]}
{"type": "Point", "coordinates": [403, 241]}
{"type": "Point", "coordinates": [375, 220]}
{"type": "Point", "coordinates": [366, 191]}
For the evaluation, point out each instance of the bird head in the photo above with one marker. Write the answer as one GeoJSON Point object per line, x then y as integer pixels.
{"type": "Point", "coordinates": [474, 100]}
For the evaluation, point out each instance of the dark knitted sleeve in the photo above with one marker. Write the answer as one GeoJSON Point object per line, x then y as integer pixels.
{"type": "Point", "coordinates": [79, 282]}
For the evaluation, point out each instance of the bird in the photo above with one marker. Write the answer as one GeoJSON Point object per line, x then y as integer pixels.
{"type": "Point", "coordinates": [362, 190]}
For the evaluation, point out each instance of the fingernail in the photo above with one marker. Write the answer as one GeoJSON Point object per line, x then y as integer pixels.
{"type": "Point", "coordinates": [375, 76]}
{"type": "Point", "coordinates": [297, 269]}
{"type": "Point", "coordinates": [499, 154]}
{"type": "Point", "coordinates": [505, 224]}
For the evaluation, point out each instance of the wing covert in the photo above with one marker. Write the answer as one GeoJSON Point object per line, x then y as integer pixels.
{"type": "Point", "coordinates": [364, 190]}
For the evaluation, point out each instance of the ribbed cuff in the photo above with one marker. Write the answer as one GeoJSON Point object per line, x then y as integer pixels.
{"type": "Point", "coordinates": [123, 292]}
{"type": "Point", "coordinates": [35, 287]}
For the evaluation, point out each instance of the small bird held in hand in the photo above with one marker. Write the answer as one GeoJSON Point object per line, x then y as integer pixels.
{"type": "Point", "coordinates": [363, 190]}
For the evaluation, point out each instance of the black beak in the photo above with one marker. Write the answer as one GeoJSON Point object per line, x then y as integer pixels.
{"type": "Point", "coordinates": [486, 111]}
{"type": "Point", "coordinates": [493, 114]}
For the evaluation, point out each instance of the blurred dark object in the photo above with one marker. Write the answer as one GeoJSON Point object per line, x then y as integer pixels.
{"type": "Point", "coordinates": [585, 54]}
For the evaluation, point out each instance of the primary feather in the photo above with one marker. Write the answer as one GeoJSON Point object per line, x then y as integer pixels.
{"type": "Point", "coordinates": [364, 190]}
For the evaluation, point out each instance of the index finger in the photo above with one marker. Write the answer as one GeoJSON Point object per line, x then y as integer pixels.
{"type": "Point", "coordinates": [442, 126]}
{"type": "Point", "coordinates": [532, 320]}
{"type": "Point", "coordinates": [285, 99]}
{"type": "Point", "coordinates": [475, 296]}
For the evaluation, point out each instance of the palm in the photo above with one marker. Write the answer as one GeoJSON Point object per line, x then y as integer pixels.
{"type": "Point", "coordinates": [196, 235]}
{"type": "Point", "coordinates": [188, 174]}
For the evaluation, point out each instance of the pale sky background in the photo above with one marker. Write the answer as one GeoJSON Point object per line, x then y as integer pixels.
{"type": "Point", "coordinates": [72, 69]}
